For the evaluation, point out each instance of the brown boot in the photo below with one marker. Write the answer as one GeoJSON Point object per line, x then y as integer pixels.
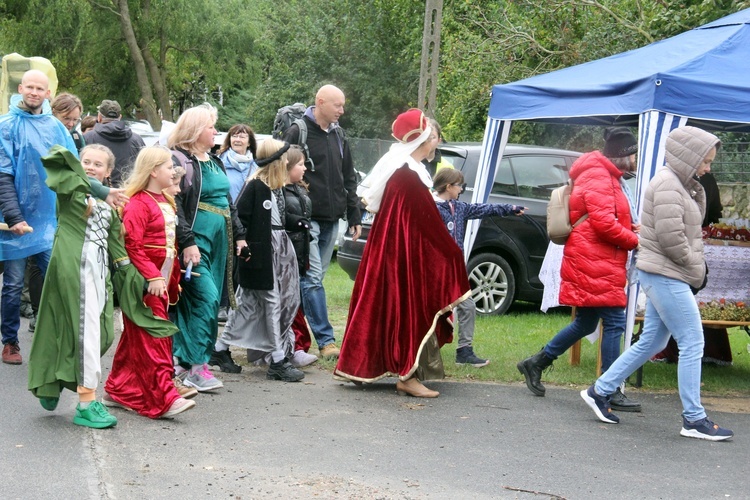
{"type": "Point", "coordinates": [414, 387]}
{"type": "Point", "coordinates": [183, 390]}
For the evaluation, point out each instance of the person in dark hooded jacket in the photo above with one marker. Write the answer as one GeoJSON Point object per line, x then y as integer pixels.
{"type": "Point", "coordinates": [593, 267]}
{"type": "Point", "coordinates": [114, 133]}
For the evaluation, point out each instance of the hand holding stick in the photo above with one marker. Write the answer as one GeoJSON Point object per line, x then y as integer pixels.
{"type": "Point", "coordinates": [23, 229]}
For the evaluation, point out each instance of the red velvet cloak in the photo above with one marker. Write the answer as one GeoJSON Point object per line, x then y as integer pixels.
{"type": "Point", "coordinates": [411, 275]}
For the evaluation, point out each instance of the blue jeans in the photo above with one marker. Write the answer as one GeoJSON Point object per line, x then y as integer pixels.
{"type": "Point", "coordinates": [313, 294]}
{"type": "Point", "coordinates": [10, 302]}
{"type": "Point", "coordinates": [585, 322]}
{"type": "Point", "coordinates": [670, 309]}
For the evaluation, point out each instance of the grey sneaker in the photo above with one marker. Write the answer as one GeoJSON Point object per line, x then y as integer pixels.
{"type": "Point", "coordinates": [26, 310]}
{"type": "Point", "coordinates": [284, 371]}
{"type": "Point", "coordinates": [202, 380]}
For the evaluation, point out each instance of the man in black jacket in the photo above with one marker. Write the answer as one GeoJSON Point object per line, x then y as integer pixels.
{"type": "Point", "coordinates": [114, 133]}
{"type": "Point", "coordinates": [333, 191]}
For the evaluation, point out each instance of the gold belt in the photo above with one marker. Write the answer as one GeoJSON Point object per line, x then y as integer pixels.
{"type": "Point", "coordinates": [230, 246]}
{"type": "Point", "coordinates": [171, 254]}
{"type": "Point", "coordinates": [216, 210]}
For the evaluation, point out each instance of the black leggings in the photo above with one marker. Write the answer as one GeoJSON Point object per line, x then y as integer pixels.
{"type": "Point", "coordinates": [36, 282]}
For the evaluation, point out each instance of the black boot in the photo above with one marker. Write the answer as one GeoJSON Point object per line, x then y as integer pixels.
{"type": "Point", "coordinates": [618, 401]}
{"type": "Point", "coordinates": [532, 369]}
{"type": "Point", "coordinates": [223, 359]}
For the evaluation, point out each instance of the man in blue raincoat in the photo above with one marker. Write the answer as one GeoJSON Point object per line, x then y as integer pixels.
{"type": "Point", "coordinates": [26, 134]}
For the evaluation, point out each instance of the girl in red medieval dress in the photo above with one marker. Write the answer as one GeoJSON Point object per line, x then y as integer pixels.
{"type": "Point", "coordinates": [142, 369]}
{"type": "Point", "coordinates": [411, 275]}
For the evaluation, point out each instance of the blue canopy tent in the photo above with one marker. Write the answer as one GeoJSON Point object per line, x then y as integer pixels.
{"type": "Point", "coordinates": [700, 77]}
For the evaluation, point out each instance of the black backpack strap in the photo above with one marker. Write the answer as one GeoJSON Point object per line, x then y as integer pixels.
{"type": "Point", "coordinates": [185, 162]}
{"type": "Point", "coordinates": [302, 126]}
{"type": "Point", "coordinates": [302, 141]}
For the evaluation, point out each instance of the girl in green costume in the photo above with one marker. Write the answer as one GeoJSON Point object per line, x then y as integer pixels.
{"type": "Point", "coordinates": [75, 316]}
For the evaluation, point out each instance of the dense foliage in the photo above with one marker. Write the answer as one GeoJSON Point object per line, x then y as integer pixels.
{"type": "Point", "coordinates": [251, 57]}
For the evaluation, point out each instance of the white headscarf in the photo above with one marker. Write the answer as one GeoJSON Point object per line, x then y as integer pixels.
{"type": "Point", "coordinates": [397, 156]}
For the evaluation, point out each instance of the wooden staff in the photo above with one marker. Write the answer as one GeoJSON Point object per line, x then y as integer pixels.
{"type": "Point", "coordinates": [26, 229]}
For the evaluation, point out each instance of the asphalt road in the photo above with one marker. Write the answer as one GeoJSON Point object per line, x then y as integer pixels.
{"type": "Point", "coordinates": [324, 439]}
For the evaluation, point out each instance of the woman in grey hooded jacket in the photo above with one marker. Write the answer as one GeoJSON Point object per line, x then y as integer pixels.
{"type": "Point", "coordinates": [670, 262]}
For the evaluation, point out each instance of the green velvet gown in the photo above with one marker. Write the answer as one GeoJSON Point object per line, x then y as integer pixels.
{"type": "Point", "coordinates": [198, 307]}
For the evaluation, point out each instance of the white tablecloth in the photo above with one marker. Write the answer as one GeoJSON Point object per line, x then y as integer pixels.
{"type": "Point", "coordinates": [728, 273]}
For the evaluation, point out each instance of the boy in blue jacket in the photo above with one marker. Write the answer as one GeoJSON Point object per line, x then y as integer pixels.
{"type": "Point", "coordinates": [448, 184]}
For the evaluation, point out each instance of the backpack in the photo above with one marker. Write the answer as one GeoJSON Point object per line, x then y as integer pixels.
{"type": "Point", "coordinates": [292, 114]}
{"type": "Point", "coordinates": [286, 116]}
{"type": "Point", "coordinates": [558, 214]}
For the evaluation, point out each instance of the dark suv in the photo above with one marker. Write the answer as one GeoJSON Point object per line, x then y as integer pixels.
{"type": "Point", "coordinates": [508, 251]}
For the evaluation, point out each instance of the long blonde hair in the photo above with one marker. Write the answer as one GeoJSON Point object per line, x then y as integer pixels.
{"type": "Point", "coordinates": [274, 174]}
{"type": "Point", "coordinates": [147, 161]}
{"type": "Point", "coordinates": [190, 125]}
{"type": "Point", "coordinates": [91, 202]}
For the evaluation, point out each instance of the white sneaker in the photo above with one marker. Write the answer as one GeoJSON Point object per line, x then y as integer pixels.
{"type": "Point", "coordinates": [179, 405]}
{"type": "Point", "coordinates": [111, 403]}
{"type": "Point", "coordinates": [302, 358]}
{"type": "Point", "coordinates": [202, 380]}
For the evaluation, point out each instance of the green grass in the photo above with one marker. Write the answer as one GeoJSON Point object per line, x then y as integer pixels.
{"type": "Point", "coordinates": [524, 330]}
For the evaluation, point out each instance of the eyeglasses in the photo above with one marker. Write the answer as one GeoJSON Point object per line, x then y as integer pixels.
{"type": "Point", "coordinates": [70, 120]}
{"type": "Point", "coordinates": [462, 186]}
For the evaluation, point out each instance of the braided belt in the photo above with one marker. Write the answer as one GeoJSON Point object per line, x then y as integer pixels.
{"type": "Point", "coordinates": [224, 212]}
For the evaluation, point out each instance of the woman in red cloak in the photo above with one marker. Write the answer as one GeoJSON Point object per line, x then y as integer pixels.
{"type": "Point", "coordinates": [411, 275]}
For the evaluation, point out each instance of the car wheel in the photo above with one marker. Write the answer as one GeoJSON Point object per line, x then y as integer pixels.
{"type": "Point", "coordinates": [493, 284]}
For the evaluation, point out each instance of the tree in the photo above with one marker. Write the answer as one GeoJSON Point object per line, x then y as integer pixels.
{"type": "Point", "coordinates": [144, 54]}
{"type": "Point", "coordinates": [251, 58]}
